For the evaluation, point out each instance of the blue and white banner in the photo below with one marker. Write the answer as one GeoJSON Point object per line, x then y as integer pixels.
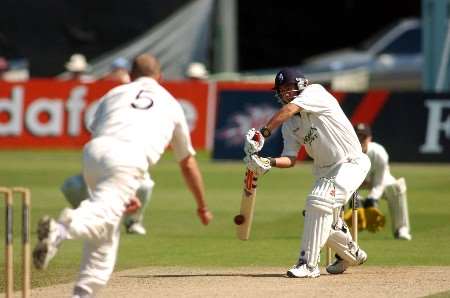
{"type": "Point", "coordinates": [237, 112]}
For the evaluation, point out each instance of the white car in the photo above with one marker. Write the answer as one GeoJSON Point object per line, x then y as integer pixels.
{"type": "Point", "coordinates": [391, 60]}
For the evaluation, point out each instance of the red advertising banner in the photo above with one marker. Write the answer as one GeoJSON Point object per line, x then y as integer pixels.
{"type": "Point", "coordinates": [193, 96]}
{"type": "Point", "coordinates": [45, 113]}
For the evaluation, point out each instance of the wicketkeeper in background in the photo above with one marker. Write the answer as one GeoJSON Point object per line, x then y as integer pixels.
{"type": "Point", "coordinates": [381, 183]}
{"type": "Point", "coordinates": [312, 116]}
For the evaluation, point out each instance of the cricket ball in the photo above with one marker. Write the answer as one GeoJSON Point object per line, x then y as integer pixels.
{"type": "Point", "coordinates": [239, 219]}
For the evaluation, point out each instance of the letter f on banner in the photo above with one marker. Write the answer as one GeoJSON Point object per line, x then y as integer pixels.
{"type": "Point", "coordinates": [435, 125]}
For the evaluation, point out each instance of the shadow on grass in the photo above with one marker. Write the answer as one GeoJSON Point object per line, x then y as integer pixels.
{"type": "Point", "coordinates": [205, 275]}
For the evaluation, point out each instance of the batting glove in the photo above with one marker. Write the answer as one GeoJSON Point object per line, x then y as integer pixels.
{"type": "Point", "coordinates": [258, 165]}
{"type": "Point", "coordinates": [254, 141]}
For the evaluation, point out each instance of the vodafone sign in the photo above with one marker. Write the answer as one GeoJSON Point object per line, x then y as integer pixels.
{"type": "Point", "coordinates": [55, 114]}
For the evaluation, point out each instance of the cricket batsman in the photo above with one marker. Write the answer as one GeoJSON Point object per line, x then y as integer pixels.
{"type": "Point", "coordinates": [312, 117]}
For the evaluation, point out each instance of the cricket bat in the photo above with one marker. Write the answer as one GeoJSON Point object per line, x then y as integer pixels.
{"type": "Point", "coordinates": [355, 206]}
{"type": "Point", "coordinates": [244, 219]}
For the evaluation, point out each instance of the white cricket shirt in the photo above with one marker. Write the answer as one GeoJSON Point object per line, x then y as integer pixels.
{"type": "Point", "coordinates": [379, 175]}
{"type": "Point", "coordinates": [323, 128]}
{"type": "Point", "coordinates": [146, 115]}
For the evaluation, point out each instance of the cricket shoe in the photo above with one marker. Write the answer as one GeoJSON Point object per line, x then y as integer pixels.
{"type": "Point", "coordinates": [136, 228]}
{"type": "Point", "coordinates": [301, 270]}
{"type": "Point", "coordinates": [340, 265]}
{"type": "Point", "coordinates": [403, 234]}
{"type": "Point", "coordinates": [48, 242]}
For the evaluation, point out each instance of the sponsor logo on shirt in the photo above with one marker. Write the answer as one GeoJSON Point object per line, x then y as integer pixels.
{"type": "Point", "coordinates": [333, 193]}
{"type": "Point", "coordinates": [311, 136]}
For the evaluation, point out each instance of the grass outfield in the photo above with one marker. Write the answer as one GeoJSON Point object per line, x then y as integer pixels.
{"type": "Point", "coordinates": [176, 237]}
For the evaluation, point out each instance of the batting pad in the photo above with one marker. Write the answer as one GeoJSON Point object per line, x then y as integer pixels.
{"type": "Point", "coordinates": [341, 242]}
{"type": "Point", "coordinates": [398, 204]}
{"type": "Point", "coordinates": [318, 220]}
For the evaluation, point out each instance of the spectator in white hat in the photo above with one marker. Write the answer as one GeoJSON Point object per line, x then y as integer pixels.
{"type": "Point", "coordinates": [197, 71]}
{"type": "Point", "coordinates": [77, 66]}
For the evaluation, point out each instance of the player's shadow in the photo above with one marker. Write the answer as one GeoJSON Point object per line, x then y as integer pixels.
{"type": "Point", "coordinates": [206, 275]}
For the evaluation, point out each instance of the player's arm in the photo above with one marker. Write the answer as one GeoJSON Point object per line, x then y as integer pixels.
{"type": "Point", "coordinates": [286, 112]}
{"type": "Point", "coordinates": [375, 219]}
{"type": "Point", "coordinates": [261, 165]}
{"type": "Point", "coordinates": [254, 140]}
{"type": "Point", "coordinates": [283, 161]}
{"type": "Point", "coordinates": [377, 184]}
{"type": "Point", "coordinates": [184, 153]}
{"type": "Point", "coordinates": [194, 181]}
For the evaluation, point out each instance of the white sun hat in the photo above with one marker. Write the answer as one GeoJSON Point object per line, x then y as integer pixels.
{"type": "Point", "coordinates": [197, 70]}
{"type": "Point", "coordinates": [77, 63]}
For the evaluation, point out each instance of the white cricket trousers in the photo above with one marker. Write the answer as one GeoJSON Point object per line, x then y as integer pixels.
{"type": "Point", "coordinates": [348, 177]}
{"type": "Point", "coordinates": [112, 176]}
{"type": "Point", "coordinates": [330, 192]}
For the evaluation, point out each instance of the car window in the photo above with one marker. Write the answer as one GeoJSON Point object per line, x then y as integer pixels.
{"type": "Point", "coordinates": [369, 43]}
{"type": "Point", "coordinates": [407, 43]}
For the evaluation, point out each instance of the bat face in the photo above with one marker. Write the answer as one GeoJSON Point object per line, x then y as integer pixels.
{"type": "Point", "coordinates": [244, 219]}
{"type": "Point", "coordinates": [250, 182]}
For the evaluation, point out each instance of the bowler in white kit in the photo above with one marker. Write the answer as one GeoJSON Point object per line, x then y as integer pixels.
{"type": "Point", "coordinates": [132, 127]}
{"type": "Point", "coordinates": [312, 117]}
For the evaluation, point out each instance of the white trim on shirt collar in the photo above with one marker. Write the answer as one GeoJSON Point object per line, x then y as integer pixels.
{"type": "Point", "coordinates": [147, 79]}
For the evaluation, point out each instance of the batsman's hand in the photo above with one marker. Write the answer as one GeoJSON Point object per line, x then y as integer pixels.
{"type": "Point", "coordinates": [133, 205]}
{"type": "Point", "coordinates": [205, 215]}
{"type": "Point", "coordinates": [362, 221]}
{"type": "Point", "coordinates": [258, 165]}
{"type": "Point", "coordinates": [254, 141]}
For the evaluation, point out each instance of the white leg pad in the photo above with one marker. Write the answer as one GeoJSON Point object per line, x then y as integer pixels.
{"type": "Point", "coordinates": [318, 220]}
{"type": "Point", "coordinates": [341, 242]}
{"type": "Point", "coordinates": [398, 204]}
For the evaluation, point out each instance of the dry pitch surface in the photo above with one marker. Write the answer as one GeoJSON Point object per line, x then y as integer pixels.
{"type": "Point", "coordinates": [364, 281]}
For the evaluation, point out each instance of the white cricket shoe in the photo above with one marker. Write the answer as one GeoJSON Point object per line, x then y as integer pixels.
{"type": "Point", "coordinates": [403, 234]}
{"type": "Point", "coordinates": [340, 265]}
{"type": "Point", "coordinates": [136, 228]}
{"type": "Point", "coordinates": [301, 270]}
{"type": "Point", "coordinates": [47, 246]}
